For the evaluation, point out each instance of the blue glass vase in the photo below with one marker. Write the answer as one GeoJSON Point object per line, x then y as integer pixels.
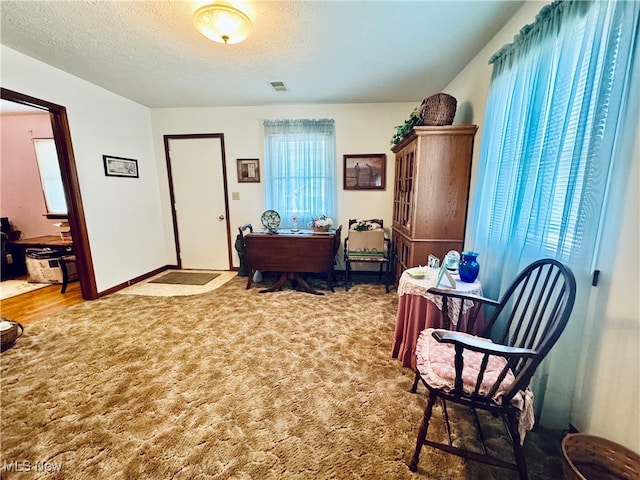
{"type": "Point", "coordinates": [469, 267]}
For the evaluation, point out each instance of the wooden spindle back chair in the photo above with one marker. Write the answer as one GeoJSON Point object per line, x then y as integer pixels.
{"type": "Point", "coordinates": [523, 327]}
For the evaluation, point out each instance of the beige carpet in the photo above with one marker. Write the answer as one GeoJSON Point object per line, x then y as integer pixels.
{"type": "Point", "coordinates": [12, 288]}
{"type": "Point", "coordinates": [230, 384]}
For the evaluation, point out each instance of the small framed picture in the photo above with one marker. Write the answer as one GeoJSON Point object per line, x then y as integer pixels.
{"type": "Point", "coordinates": [120, 167]}
{"type": "Point", "coordinates": [444, 272]}
{"type": "Point", "coordinates": [248, 170]}
{"type": "Point", "coordinates": [365, 171]}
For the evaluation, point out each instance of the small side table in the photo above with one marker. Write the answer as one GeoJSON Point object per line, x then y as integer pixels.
{"type": "Point", "coordinates": [418, 309]}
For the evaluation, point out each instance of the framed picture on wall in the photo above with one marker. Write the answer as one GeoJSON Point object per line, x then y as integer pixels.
{"type": "Point", "coordinates": [120, 167]}
{"type": "Point", "coordinates": [365, 171]}
{"type": "Point", "coordinates": [248, 170]}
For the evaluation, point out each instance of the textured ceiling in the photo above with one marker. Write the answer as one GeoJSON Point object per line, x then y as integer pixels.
{"type": "Point", "coordinates": [324, 51]}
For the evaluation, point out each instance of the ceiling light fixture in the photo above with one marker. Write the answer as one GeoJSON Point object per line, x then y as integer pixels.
{"type": "Point", "coordinates": [222, 23]}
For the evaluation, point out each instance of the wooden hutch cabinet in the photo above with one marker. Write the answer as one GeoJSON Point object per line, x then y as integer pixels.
{"type": "Point", "coordinates": [431, 192]}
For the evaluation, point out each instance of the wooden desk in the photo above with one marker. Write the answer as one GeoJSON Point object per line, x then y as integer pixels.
{"type": "Point", "coordinates": [44, 241]}
{"type": "Point", "coordinates": [18, 249]}
{"type": "Point", "coordinates": [290, 254]}
{"type": "Point", "coordinates": [418, 309]}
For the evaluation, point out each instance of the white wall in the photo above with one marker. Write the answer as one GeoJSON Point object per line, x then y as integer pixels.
{"type": "Point", "coordinates": [360, 128]}
{"type": "Point", "coordinates": [608, 389]}
{"type": "Point", "coordinates": [124, 220]}
{"type": "Point", "coordinates": [607, 393]}
{"type": "Point", "coordinates": [128, 220]}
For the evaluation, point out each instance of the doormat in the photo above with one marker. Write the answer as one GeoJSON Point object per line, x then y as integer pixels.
{"type": "Point", "coordinates": [185, 278]}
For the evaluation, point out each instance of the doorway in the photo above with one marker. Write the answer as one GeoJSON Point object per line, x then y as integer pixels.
{"type": "Point", "coordinates": [68, 172]}
{"type": "Point", "coordinates": [197, 174]}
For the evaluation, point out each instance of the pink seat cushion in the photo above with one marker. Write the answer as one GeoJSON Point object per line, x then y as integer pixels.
{"type": "Point", "coordinates": [436, 363]}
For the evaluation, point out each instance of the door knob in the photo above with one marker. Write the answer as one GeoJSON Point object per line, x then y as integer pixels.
{"type": "Point", "coordinates": [221, 217]}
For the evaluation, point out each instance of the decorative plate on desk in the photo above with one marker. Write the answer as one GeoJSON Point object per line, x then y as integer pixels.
{"type": "Point", "coordinates": [270, 220]}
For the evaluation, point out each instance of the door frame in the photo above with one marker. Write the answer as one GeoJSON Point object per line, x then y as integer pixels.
{"type": "Point", "coordinates": [71, 184]}
{"type": "Point", "coordinates": [167, 154]}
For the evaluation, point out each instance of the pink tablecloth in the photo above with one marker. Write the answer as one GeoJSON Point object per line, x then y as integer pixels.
{"type": "Point", "coordinates": [418, 310]}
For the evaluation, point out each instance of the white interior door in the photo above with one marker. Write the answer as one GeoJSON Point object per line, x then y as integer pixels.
{"type": "Point", "coordinates": [198, 187]}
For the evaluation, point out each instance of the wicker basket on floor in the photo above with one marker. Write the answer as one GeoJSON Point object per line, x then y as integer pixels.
{"type": "Point", "coordinates": [438, 110]}
{"type": "Point", "coordinates": [10, 331]}
{"type": "Point", "coordinates": [587, 457]}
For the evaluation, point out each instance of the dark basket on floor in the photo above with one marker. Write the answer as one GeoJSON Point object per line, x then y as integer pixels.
{"type": "Point", "coordinates": [438, 110]}
{"type": "Point", "coordinates": [587, 457]}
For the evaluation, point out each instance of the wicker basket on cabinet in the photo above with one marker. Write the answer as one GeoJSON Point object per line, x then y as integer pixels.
{"type": "Point", "coordinates": [438, 110]}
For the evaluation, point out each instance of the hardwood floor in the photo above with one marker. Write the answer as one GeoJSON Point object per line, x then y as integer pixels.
{"type": "Point", "coordinates": [32, 306]}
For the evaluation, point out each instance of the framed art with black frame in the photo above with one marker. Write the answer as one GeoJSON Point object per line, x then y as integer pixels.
{"type": "Point", "coordinates": [248, 170]}
{"type": "Point", "coordinates": [365, 171]}
{"type": "Point", "coordinates": [120, 167]}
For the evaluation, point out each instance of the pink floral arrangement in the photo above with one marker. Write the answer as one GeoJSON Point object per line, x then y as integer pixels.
{"type": "Point", "coordinates": [294, 219]}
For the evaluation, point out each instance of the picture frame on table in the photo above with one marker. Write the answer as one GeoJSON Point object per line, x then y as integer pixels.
{"type": "Point", "coordinates": [120, 166]}
{"type": "Point", "coordinates": [248, 170]}
{"type": "Point", "coordinates": [365, 171]}
{"type": "Point", "coordinates": [444, 272]}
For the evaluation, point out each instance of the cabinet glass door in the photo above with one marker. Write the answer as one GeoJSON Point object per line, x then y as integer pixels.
{"type": "Point", "coordinates": [397, 185]}
{"type": "Point", "coordinates": [406, 197]}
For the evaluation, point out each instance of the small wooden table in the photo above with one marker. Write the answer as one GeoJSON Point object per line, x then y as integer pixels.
{"type": "Point", "coordinates": [291, 254]}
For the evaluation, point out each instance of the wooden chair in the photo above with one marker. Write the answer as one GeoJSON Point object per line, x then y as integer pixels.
{"type": "Point", "coordinates": [243, 246]}
{"type": "Point", "coordinates": [525, 324]}
{"type": "Point", "coordinates": [67, 276]}
{"type": "Point", "coordinates": [380, 257]}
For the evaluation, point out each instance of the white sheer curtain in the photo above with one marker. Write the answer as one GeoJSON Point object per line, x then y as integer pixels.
{"type": "Point", "coordinates": [300, 158]}
{"type": "Point", "coordinates": [556, 138]}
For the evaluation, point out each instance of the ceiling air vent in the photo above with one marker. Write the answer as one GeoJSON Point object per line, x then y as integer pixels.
{"type": "Point", "coordinates": [278, 86]}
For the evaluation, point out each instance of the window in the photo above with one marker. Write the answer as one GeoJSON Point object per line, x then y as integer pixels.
{"type": "Point", "coordinates": [553, 117]}
{"type": "Point", "coordinates": [50, 178]}
{"type": "Point", "coordinates": [300, 169]}
{"type": "Point", "coordinates": [558, 130]}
